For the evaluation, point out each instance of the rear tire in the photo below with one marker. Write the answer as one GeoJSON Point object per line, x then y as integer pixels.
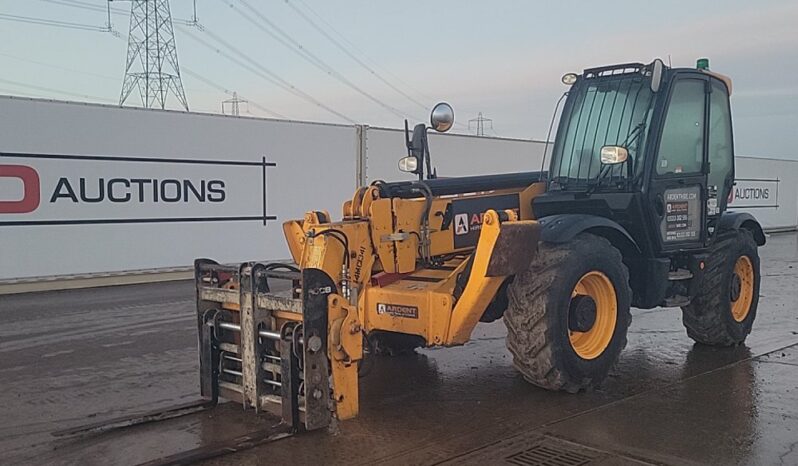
{"type": "Point", "coordinates": [723, 312]}
{"type": "Point", "coordinates": [547, 349]}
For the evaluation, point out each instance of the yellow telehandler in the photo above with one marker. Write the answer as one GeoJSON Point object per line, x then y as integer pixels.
{"type": "Point", "coordinates": [632, 211]}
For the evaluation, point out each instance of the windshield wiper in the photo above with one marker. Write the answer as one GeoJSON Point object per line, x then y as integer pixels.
{"type": "Point", "coordinates": [634, 134]}
{"type": "Point", "coordinates": [592, 187]}
{"type": "Point", "coordinates": [560, 181]}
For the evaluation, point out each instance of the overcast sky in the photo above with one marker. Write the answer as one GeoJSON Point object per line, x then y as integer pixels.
{"type": "Point", "coordinates": [501, 58]}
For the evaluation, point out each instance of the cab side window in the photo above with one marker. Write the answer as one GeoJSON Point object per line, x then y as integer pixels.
{"type": "Point", "coordinates": [721, 156]}
{"type": "Point", "coordinates": [682, 145]}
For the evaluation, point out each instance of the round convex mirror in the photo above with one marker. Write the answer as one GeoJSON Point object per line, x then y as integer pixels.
{"type": "Point", "coordinates": [442, 117]}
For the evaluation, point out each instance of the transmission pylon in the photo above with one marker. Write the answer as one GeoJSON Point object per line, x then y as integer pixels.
{"type": "Point", "coordinates": [479, 123]}
{"type": "Point", "coordinates": [234, 104]}
{"type": "Point", "coordinates": [152, 65]}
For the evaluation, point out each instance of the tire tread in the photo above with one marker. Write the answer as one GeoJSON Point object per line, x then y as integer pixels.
{"type": "Point", "coordinates": [704, 317]}
{"type": "Point", "coordinates": [529, 338]}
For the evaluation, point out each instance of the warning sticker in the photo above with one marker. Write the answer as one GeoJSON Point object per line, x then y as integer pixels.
{"type": "Point", "coordinates": [397, 310]}
{"type": "Point", "coordinates": [682, 221]}
{"type": "Point", "coordinates": [468, 215]}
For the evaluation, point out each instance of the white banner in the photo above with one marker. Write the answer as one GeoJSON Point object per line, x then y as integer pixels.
{"type": "Point", "coordinates": [753, 193]}
{"type": "Point", "coordinates": [103, 189]}
{"type": "Point", "coordinates": [61, 189]}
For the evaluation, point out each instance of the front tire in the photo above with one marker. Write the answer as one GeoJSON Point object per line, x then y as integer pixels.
{"type": "Point", "coordinates": [568, 314]}
{"type": "Point", "coordinates": [723, 312]}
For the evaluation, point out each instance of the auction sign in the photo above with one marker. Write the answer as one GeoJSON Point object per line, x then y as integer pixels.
{"type": "Point", "coordinates": [753, 193]}
{"type": "Point", "coordinates": [63, 189]}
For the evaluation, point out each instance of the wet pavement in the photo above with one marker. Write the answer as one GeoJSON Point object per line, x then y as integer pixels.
{"type": "Point", "coordinates": [72, 357]}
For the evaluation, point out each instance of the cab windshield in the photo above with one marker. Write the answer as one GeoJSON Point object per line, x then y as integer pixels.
{"type": "Point", "coordinates": [602, 111]}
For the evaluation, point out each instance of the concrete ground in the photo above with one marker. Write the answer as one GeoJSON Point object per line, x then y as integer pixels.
{"type": "Point", "coordinates": [72, 357]}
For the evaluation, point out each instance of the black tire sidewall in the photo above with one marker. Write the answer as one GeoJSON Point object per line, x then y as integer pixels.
{"type": "Point", "coordinates": [744, 245]}
{"type": "Point", "coordinates": [589, 253]}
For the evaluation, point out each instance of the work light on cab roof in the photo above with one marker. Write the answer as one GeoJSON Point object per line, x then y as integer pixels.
{"type": "Point", "coordinates": [569, 78]}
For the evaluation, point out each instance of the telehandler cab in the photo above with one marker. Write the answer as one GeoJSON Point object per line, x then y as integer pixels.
{"type": "Point", "coordinates": [632, 212]}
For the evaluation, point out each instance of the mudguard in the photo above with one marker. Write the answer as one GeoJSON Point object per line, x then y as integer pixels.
{"type": "Point", "coordinates": [736, 220]}
{"type": "Point", "coordinates": [562, 228]}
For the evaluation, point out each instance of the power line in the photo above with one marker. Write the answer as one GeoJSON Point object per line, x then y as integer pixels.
{"type": "Point", "coordinates": [363, 54]}
{"type": "Point", "coordinates": [252, 66]}
{"type": "Point", "coordinates": [355, 48]}
{"type": "Point", "coordinates": [151, 44]}
{"type": "Point", "coordinates": [56, 67]}
{"type": "Point", "coordinates": [248, 63]}
{"type": "Point", "coordinates": [218, 86]}
{"type": "Point", "coordinates": [103, 99]}
{"type": "Point", "coordinates": [351, 55]}
{"type": "Point", "coordinates": [55, 91]}
{"type": "Point", "coordinates": [291, 43]}
{"type": "Point", "coordinates": [235, 104]}
{"type": "Point", "coordinates": [87, 6]}
{"type": "Point", "coordinates": [152, 65]}
{"type": "Point", "coordinates": [85, 73]}
{"type": "Point", "coordinates": [479, 123]}
{"type": "Point", "coordinates": [226, 91]}
{"type": "Point", "coordinates": [109, 27]}
{"type": "Point", "coordinates": [264, 109]}
{"type": "Point", "coordinates": [117, 11]}
{"type": "Point", "coordinates": [51, 22]}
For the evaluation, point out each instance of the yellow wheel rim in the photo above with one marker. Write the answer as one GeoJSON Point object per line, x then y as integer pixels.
{"type": "Point", "coordinates": [592, 343]}
{"type": "Point", "coordinates": [742, 298]}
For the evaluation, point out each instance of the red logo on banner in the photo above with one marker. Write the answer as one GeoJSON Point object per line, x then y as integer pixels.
{"type": "Point", "coordinates": [31, 194]}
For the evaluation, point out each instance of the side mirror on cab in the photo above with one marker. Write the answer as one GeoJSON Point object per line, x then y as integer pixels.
{"type": "Point", "coordinates": [441, 120]}
{"type": "Point", "coordinates": [442, 117]}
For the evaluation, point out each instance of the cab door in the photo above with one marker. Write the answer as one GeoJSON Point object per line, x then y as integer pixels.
{"type": "Point", "coordinates": [720, 154]}
{"type": "Point", "coordinates": [678, 190]}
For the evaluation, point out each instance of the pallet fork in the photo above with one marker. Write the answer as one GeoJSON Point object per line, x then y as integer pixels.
{"type": "Point", "coordinates": [241, 358]}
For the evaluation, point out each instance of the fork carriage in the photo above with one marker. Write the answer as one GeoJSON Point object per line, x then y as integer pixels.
{"type": "Point", "coordinates": [253, 346]}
